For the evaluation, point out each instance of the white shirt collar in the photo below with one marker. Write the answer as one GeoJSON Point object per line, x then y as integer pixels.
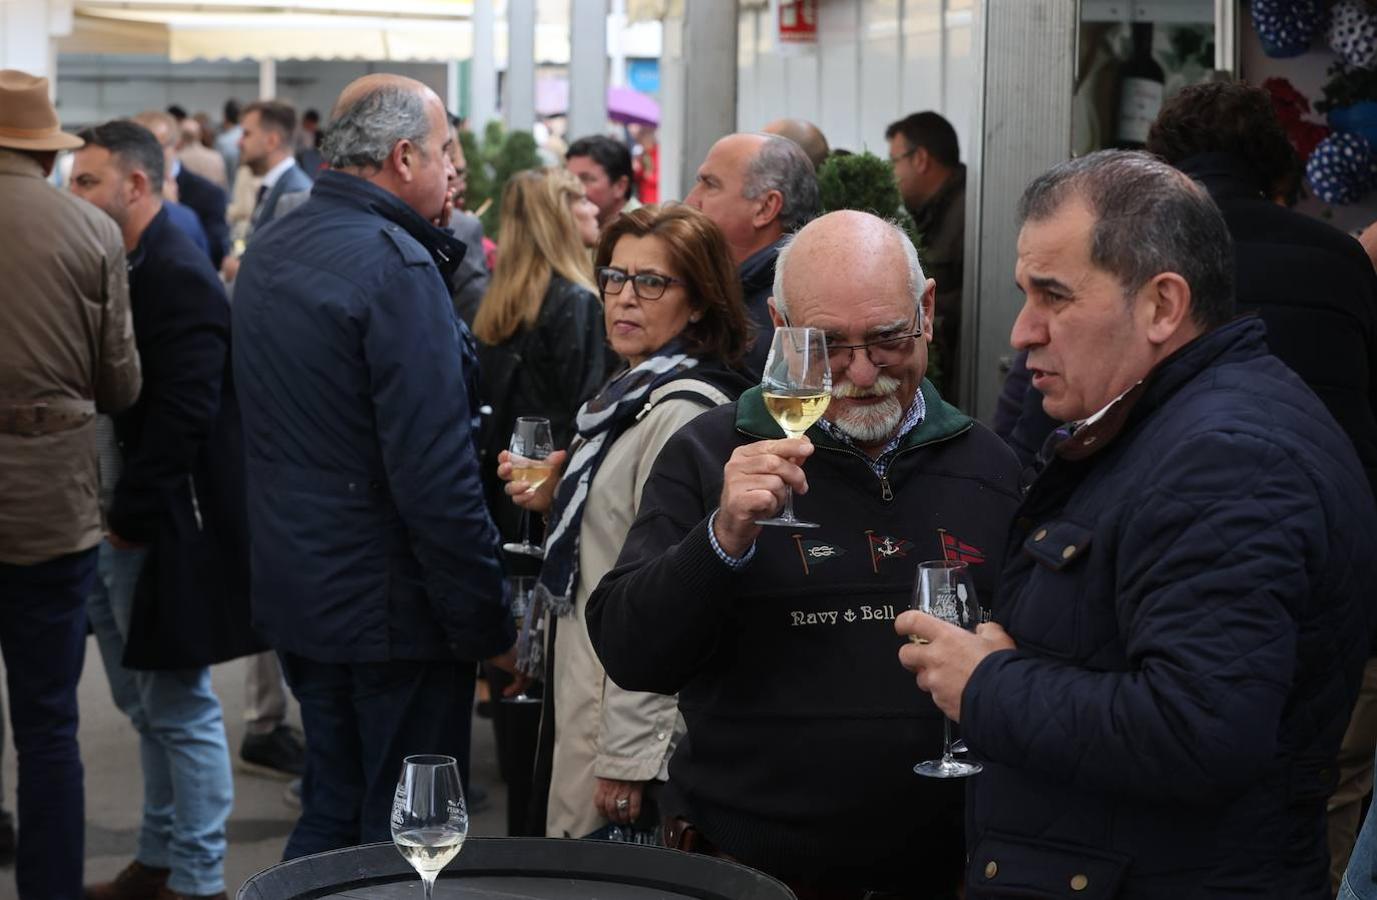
{"type": "Point", "coordinates": [277, 172]}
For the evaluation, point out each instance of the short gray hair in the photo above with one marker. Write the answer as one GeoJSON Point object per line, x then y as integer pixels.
{"type": "Point", "coordinates": [781, 165]}
{"type": "Point", "coordinates": [364, 133]}
{"type": "Point", "coordinates": [917, 282]}
{"type": "Point", "coordinates": [1149, 219]}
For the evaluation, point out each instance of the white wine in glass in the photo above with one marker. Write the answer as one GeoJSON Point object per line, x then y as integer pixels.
{"type": "Point", "coordinates": [530, 447]}
{"type": "Point", "coordinates": [944, 589]}
{"type": "Point", "coordinates": [797, 387]}
{"type": "Point", "coordinates": [429, 819]}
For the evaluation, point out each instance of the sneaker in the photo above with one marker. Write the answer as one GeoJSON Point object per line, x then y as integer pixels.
{"type": "Point", "coordinates": [291, 795]}
{"type": "Point", "coordinates": [165, 894]}
{"type": "Point", "coordinates": [136, 882]}
{"type": "Point", "coordinates": [277, 754]}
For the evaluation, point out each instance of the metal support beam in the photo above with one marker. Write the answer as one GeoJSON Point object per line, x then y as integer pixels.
{"type": "Point", "coordinates": [587, 67]}
{"type": "Point", "coordinates": [1018, 134]}
{"type": "Point", "coordinates": [520, 92]}
{"type": "Point", "coordinates": [699, 50]}
{"type": "Point", "coordinates": [483, 70]}
{"type": "Point", "coordinates": [267, 79]}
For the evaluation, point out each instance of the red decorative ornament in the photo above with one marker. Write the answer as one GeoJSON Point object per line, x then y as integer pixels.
{"type": "Point", "coordinates": [1292, 106]}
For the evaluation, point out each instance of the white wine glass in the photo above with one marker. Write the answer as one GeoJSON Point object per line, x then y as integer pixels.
{"type": "Point", "coordinates": [530, 635]}
{"type": "Point", "coordinates": [429, 819]}
{"type": "Point", "coordinates": [797, 387]}
{"type": "Point", "coordinates": [944, 589]}
{"type": "Point", "coordinates": [530, 449]}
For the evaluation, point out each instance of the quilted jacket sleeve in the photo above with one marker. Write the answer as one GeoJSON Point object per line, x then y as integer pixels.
{"type": "Point", "coordinates": [424, 428]}
{"type": "Point", "coordinates": [1207, 580]}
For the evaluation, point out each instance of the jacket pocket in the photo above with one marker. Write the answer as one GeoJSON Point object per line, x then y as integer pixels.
{"type": "Point", "coordinates": [1058, 545]}
{"type": "Point", "coordinates": [1007, 866]}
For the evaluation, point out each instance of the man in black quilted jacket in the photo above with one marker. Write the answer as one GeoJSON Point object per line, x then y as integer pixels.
{"type": "Point", "coordinates": [1181, 622]}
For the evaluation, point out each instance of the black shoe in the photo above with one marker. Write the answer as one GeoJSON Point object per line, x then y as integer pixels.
{"type": "Point", "coordinates": [7, 839]}
{"type": "Point", "coordinates": [277, 754]}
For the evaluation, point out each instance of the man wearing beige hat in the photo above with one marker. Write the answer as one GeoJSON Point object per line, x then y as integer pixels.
{"type": "Point", "coordinates": [66, 352]}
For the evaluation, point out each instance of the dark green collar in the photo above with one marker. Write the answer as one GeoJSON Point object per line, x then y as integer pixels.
{"type": "Point", "coordinates": [942, 421]}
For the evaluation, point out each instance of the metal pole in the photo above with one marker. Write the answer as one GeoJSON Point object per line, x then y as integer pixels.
{"type": "Point", "coordinates": [587, 67]}
{"type": "Point", "coordinates": [520, 93]}
{"type": "Point", "coordinates": [267, 79]}
{"type": "Point", "coordinates": [483, 71]}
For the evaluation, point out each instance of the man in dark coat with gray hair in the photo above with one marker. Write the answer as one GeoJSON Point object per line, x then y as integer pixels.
{"type": "Point", "coordinates": [1183, 615]}
{"type": "Point", "coordinates": [759, 189]}
{"type": "Point", "coordinates": [375, 569]}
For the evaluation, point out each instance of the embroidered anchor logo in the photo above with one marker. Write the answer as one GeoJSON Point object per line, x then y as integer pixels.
{"type": "Point", "coordinates": [885, 548]}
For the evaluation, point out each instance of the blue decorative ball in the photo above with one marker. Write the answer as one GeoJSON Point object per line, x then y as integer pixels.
{"type": "Point", "coordinates": [1353, 33]}
{"type": "Point", "coordinates": [1287, 27]}
{"type": "Point", "coordinates": [1342, 169]}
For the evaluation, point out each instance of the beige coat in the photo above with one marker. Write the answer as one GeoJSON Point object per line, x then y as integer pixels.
{"type": "Point", "coordinates": [602, 731]}
{"type": "Point", "coordinates": [66, 352]}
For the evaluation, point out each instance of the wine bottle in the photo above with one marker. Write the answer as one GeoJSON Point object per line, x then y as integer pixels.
{"type": "Point", "coordinates": [1140, 91]}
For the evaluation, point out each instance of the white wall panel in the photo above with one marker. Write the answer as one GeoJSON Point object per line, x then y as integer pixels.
{"type": "Point", "coordinates": [880, 73]}
{"type": "Point", "coordinates": [959, 80]}
{"type": "Point", "coordinates": [839, 58]}
{"type": "Point", "coordinates": [801, 96]}
{"type": "Point", "coordinates": [922, 67]}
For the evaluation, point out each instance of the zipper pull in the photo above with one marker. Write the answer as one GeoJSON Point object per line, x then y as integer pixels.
{"type": "Point", "coordinates": [885, 493]}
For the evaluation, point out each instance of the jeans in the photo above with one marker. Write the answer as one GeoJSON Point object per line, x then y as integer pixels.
{"type": "Point", "coordinates": [1358, 882]}
{"type": "Point", "coordinates": [361, 720]}
{"type": "Point", "coordinates": [43, 639]}
{"type": "Point", "coordinates": [187, 786]}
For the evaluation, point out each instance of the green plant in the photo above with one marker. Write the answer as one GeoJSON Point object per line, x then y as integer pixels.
{"type": "Point", "coordinates": [1347, 86]}
{"type": "Point", "coordinates": [864, 181]}
{"type": "Point", "coordinates": [500, 156]}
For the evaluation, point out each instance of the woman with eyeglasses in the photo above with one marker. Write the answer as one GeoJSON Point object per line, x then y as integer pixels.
{"type": "Point", "coordinates": [673, 313]}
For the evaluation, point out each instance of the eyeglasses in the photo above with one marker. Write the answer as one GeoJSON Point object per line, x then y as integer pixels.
{"type": "Point", "coordinates": [894, 160]}
{"type": "Point", "coordinates": [645, 285]}
{"type": "Point", "coordinates": [889, 350]}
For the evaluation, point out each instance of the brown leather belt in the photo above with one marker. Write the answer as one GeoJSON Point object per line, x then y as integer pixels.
{"type": "Point", "coordinates": [45, 416]}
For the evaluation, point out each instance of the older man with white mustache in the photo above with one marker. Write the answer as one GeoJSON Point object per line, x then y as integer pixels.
{"type": "Point", "coordinates": [779, 641]}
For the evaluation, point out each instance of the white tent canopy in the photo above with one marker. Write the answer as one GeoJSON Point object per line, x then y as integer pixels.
{"type": "Point", "coordinates": [408, 30]}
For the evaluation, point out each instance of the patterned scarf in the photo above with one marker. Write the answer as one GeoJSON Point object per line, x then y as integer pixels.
{"type": "Point", "coordinates": [600, 422]}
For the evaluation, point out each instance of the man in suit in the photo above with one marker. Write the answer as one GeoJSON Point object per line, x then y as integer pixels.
{"type": "Point", "coordinates": [170, 544]}
{"type": "Point", "coordinates": [200, 195]}
{"type": "Point", "coordinates": [266, 148]}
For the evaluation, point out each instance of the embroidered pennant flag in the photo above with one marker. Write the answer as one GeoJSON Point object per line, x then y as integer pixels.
{"type": "Point", "coordinates": [955, 550]}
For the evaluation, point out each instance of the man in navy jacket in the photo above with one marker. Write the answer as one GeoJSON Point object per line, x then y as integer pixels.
{"type": "Point", "coordinates": [375, 569]}
{"type": "Point", "coordinates": [1183, 614]}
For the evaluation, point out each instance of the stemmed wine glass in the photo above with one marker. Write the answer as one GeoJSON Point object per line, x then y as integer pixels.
{"type": "Point", "coordinates": [797, 387]}
{"type": "Point", "coordinates": [429, 820]}
{"type": "Point", "coordinates": [944, 589]}
{"type": "Point", "coordinates": [530, 635]}
{"type": "Point", "coordinates": [530, 447]}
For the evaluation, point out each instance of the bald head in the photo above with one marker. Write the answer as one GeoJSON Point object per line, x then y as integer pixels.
{"type": "Point", "coordinates": [392, 131]}
{"type": "Point", "coordinates": [870, 245]}
{"type": "Point", "coordinates": [805, 134]}
{"type": "Point", "coordinates": [756, 187]}
{"type": "Point", "coordinates": [360, 88]}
